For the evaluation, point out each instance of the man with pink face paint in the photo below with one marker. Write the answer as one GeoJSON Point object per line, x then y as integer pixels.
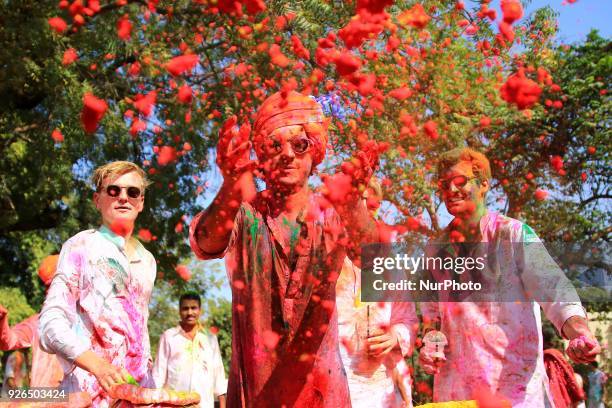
{"type": "Point", "coordinates": [96, 311]}
{"type": "Point", "coordinates": [495, 348]}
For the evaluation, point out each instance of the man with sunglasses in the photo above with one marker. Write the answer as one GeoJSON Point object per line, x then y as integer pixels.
{"type": "Point", "coordinates": [96, 311]}
{"type": "Point", "coordinates": [283, 254]}
{"type": "Point", "coordinates": [495, 347]}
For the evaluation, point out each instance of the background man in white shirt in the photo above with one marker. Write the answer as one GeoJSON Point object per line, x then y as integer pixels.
{"type": "Point", "coordinates": [189, 359]}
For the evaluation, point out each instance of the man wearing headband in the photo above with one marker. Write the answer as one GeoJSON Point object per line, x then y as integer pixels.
{"type": "Point", "coordinates": [283, 255]}
{"type": "Point", "coordinates": [46, 370]}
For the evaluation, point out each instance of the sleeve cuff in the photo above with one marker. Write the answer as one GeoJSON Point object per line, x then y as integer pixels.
{"type": "Point", "coordinates": [193, 240]}
{"type": "Point", "coordinates": [564, 313]}
{"type": "Point", "coordinates": [72, 352]}
{"type": "Point", "coordinates": [222, 389]}
{"type": "Point", "coordinates": [403, 337]}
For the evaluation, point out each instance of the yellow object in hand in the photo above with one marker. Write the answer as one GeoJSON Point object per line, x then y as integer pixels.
{"type": "Point", "coordinates": [450, 404]}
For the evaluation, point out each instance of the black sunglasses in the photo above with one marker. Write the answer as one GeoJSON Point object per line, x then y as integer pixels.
{"type": "Point", "coordinates": [115, 191]}
{"type": "Point", "coordinates": [299, 145]}
{"type": "Point", "coordinates": [458, 181]}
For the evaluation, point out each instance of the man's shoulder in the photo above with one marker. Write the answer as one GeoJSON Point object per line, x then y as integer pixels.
{"type": "Point", "coordinates": [82, 237]}
{"type": "Point", "coordinates": [206, 331]}
{"type": "Point", "coordinates": [503, 219]}
{"type": "Point", "coordinates": [515, 230]}
{"type": "Point", "coordinates": [173, 331]}
{"type": "Point", "coordinates": [145, 252]}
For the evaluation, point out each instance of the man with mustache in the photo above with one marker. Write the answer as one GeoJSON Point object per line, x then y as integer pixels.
{"type": "Point", "coordinates": [188, 357]}
{"type": "Point", "coordinates": [284, 252]}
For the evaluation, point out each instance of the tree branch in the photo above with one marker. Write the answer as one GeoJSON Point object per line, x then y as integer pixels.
{"type": "Point", "coordinates": [433, 215]}
{"type": "Point", "coordinates": [594, 197]}
{"type": "Point", "coordinates": [26, 128]}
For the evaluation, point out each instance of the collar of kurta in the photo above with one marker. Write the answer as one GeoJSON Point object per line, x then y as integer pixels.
{"type": "Point", "coordinates": [487, 221]}
{"type": "Point", "coordinates": [119, 241]}
{"type": "Point", "coordinates": [199, 330]}
{"type": "Point", "coordinates": [311, 211]}
{"type": "Point", "coordinates": [305, 218]}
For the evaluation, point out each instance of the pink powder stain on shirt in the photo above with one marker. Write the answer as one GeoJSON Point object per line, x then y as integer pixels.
{"type": "Point", "coordinates": [134, 336]}
{"type": "Point", "coordinates": [75, 259]}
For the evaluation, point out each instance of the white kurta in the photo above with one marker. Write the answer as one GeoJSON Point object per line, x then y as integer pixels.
{"type": "Point", "coordinates": [497, 347]}
{"type": "Point", "coordinates": [371, 380]}
{"type": "Point", "coordinates": [99, 301]}
{"type": "Point", "coordinates": [184, 364]}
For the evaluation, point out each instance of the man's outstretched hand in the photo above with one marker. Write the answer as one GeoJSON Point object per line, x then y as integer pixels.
{"type": "Point", "coordinates": [349, 184]}
{"type": "Point", "coordinates": [233, 149]}
{"type": "Point", "coordinates": [361, 167]}
{"type": "Point", "coordinates": [583, 346]}
{"type": "Point", "coordinates": [106, 373]}
{"type": "Point", "coordinates": [233, 158]}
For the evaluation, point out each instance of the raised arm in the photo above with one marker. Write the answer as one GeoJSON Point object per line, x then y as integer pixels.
{"type": "Point", "coordinates": [211, 229]}
{"type": "Point", "coordinates": [360, 226]}
{"type": "Point", "coordinates": [359, 223]}
{"type": "Point", "coordinates": [18, 336]}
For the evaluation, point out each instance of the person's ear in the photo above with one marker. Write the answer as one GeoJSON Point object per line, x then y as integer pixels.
{"type": "Point", "coordinates": [96, 198]}
{"type": "Point", "coordinates": [140, 204]}
{"type": "Point", "coordinates": [484, 185]}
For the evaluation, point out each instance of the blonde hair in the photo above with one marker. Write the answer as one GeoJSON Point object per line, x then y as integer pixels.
{"type": "Point", "coordinates": [115, 169]}
{"type": "Point", "coordinates": [480, 164]}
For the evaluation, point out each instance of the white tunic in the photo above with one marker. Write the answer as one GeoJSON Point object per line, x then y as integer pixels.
{"type": "Point", "coordinates": [497, 346]}
{"type": "Point", "coordinates": [184, 364]}
{"type": "Point", "coordinates": [373, 382]}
